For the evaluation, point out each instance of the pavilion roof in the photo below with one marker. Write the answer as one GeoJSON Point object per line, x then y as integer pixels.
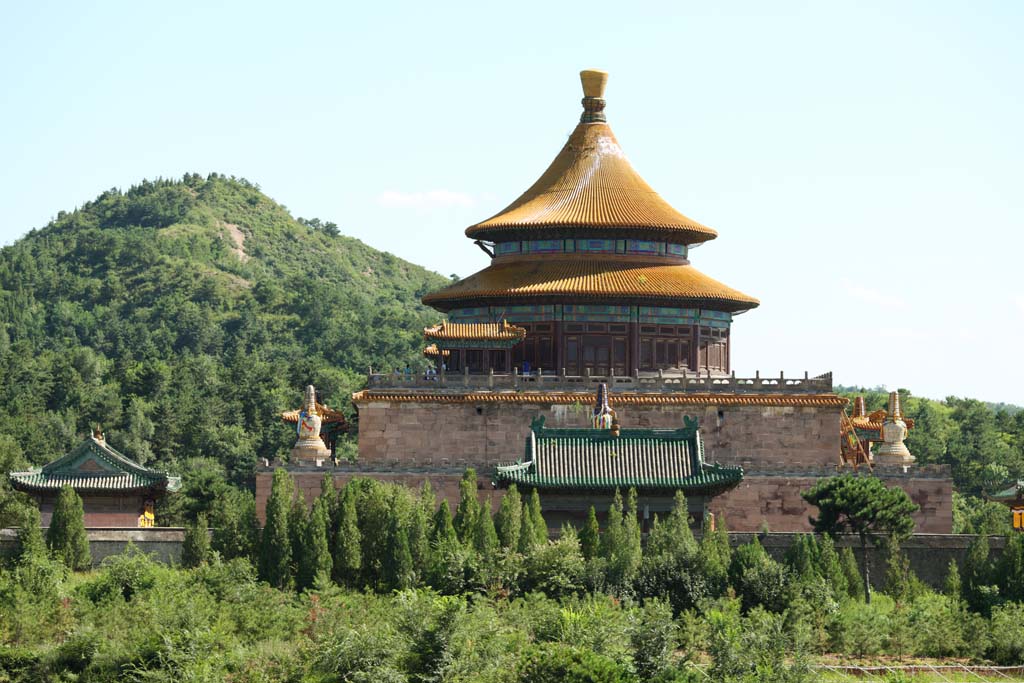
{"type": "Point", "coordinates": [591, 185]}
{"type": "Point", "coordinates": [327, 415]}
{"type": "Point", "coordinates": [433, 352]}
{"type": "Point", "coordinates": [456, 335]}
{"type": "Point", "coordinates": [93, 465]}
{"type": "Point", "coordinates": [599, 459]}
{"type": "Point", "coordinates": [561, 277]}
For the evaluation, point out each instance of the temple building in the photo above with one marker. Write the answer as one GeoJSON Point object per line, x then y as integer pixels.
{"type": "Point", "coordinates": [115, 490]}
{"type": "Point", "coordinates": [594, 265]}
{"type": "Point", "coordinates": [590, 292]}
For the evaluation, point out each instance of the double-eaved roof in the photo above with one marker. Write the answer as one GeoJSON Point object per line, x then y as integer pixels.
{"type": "Point", "coordinates": [602, 459]}
{"type": "Point", "coordinates": [449, 335]}
{"type": "Point", "coordinates": [94, 466]}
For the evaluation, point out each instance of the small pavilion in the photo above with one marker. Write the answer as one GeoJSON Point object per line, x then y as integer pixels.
{"type": "Point", "coordinates": [115, 490]}
{"type": "Point", "coordinates": [575, 468]}
{"type": "Point", "coordinates": [478, 347]}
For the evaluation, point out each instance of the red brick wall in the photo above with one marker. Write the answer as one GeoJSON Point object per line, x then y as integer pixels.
{"type": "Point", "coordinates": [100, 511]}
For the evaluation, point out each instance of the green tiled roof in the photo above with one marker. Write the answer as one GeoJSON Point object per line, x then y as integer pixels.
{"type": "Point", "coordinates": [93, 465]}
{"type": "Point", "coordinates": [1014, 492]}
{"type": "Point", "coordinates": [596, 459]}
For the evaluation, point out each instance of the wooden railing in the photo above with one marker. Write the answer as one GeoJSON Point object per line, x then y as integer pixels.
{"type": "Point", "coordinates": [658, 382]}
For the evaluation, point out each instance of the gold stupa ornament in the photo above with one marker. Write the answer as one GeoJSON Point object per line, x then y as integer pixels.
{"type": "Point", "coordinates": [893, 451]}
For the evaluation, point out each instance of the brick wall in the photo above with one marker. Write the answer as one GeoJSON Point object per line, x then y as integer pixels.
{"type": "Point", "coordinates": [482, 435]}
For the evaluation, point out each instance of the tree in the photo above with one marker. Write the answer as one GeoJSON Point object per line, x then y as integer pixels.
{"type": "Point", "coordinates": [714, 554]}
{"type": "Point", "coordinates": [398, 569]}
{"type": "Point", "coordinates": [590, 536]}
{"type": "Point", "coordinates": [195, 549]}
{"type": "Point", "coordinates": [442, 528]}
{"type": "Point", "coordinates": [275, 547]}
{"type": "Point", "coordinates": [347, 556]}
{"type": "Point", "coordinates": [419, 528]}
{"type": "Point", "coordinates": [315, 558]}
{"type": "Point", "coordinates": [854, 585]}
{"type": "Point", "coordinates": [527, 537]}
{"type": "Point", "coordinates": [864, 506]}
{"type": "Point", "coordinates": [236, 529]}
{"type": "Point", "coordinates": [485, 538]}
{"type": "Point", "coordinates": [66, 536]}
{"type": "Point", "coordinates": [509, 518]}
{"type": "Point", "coordinates": [540, 527]}
{"type": "Point", "coordinates": [468, 509]}
{"type": "Point", "coordinates": [30, 535]}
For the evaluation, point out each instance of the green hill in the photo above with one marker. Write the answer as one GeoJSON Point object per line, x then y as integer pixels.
{"type": "Point", "coordinates": [183, 315]}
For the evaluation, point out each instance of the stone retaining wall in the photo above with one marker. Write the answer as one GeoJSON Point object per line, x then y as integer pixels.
{"type": "Point", "coordinates": [164, 544]}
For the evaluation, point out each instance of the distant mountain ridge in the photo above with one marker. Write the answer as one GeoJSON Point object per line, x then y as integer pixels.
{"type": "Point", "coordinates": [183, 314]}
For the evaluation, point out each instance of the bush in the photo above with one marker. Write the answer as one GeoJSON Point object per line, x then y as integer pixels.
{"type": "Point", "coordinates": [758, 579]}
{"type": "Point", "coordinates": [124, 576]}
{"type": "Point", "coordinates": [555, 569]}
{"type": "Point", "coordinates": [558, 663]}
{"type": "Point", "coordinates": [653, 638]}
{"type": "Point", "coordinates": [1007, 638]}
{"type": "Point", "coordinates": [861, 627]}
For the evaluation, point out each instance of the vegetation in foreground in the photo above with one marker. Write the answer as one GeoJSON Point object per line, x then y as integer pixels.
{"type": "Point", "coordinates": [377, 583]}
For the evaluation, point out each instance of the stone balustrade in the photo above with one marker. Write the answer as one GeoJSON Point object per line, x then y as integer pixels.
{"type": "Point", "coordinates": [653, 382]}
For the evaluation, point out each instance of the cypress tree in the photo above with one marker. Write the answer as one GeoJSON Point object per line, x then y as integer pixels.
{"type": "Point", "coordinates": [509, 520]}
{"type": "Point", "coordinates": [236, 529]}
{"type": "Point", "coordinates": [66, 537]}
{"type": "Point", "coordinates": [631, 535]}
{"type": "Point", "coordinates": [485, 538]}
{"type": "Point", "coordinates": [831, 567]}
{"type": "Point", "coordinates": [330, 495]}
{"type": "Point", "coordinates": [527, 536]}
{"type": "Point", "coordinates": [297, 520]}
{"type": "Point", "coordinates": [590, 536]}
{"type": "Point", "coordinates": [679, 540]}
{"type": "Point", "coordinates": [715, 555]}
{"type": "Point", "coordinates": [540, 527]}
{"type": "Point", "coordinates": [468, 509]}
{"type": "Point", "coordinates": [419, 529]}
{"type": "Point", "coordinates": [443, 530]}
{"type": "Point", "coordinates": [315, 559]}
{"type": "Point", "coordinates": [612, 540]}
{"type": "Point", "coordinates": [30, 534]}
{"type": "Point", "coordinates": [347, 554]}
{"type": "Point", "coordinates": [275, 546]}
{"type": "Point", "coordinates": [802, 556]}
{"type": "Point", "coordinates": [398, 570]}
{"type": "Point", "coordinates": [977, 575]}
{"type": "Point", "coordinates": [952, 587]}
{"type": "Point", "coordinates": [195, 549]}
{"type": "Point", "coordinates": [1010, 569]}
{"type": "Point", "coordinates": [854, 582]}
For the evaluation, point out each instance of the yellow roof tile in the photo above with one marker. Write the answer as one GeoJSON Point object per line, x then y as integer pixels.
{"type": "Point", "coordinates": [476, 331]}
{"type": "Point", "coordinates": [591, 184]}
{"type": "Point", "coordinates": [607, 277]}
{"type": "Point", "coordinates": [624, 399]}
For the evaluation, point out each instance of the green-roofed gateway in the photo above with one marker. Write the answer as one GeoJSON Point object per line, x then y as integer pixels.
{"type": "Point", "coordinates": [575, 468]}
{"type": "Point", "coordinates": [115, 490]}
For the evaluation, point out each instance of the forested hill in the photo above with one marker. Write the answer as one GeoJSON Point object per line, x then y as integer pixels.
{"type": "Point", "coordinates": [183, 315]}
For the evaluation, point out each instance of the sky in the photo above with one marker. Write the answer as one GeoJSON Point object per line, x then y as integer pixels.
{"type": "Point", "coordinates": [862, 162]}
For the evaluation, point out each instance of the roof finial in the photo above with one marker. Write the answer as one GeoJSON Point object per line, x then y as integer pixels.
{"type": "Point", "coordinates": [593, 95]}
{"type": "Point", "coordinates": [97, 433]}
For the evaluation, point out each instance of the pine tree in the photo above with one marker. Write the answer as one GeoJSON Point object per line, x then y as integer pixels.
{"type": "Point", "coordinates": [195, 549]}
{"type": "Point", "coordinates": [443, 529]}
{"type": "Point", "coordinates": [540, 527]}
{"type": "Point", "coordinates": [802, 556]}
{"type": "Point", "coordinates": [612, 540]}
{"type": "Point", "coordinates": [315, 558]}
{"type": "Point", "coordinates": [854, 584]}
{"type": "Point", "coordinates": [715, 555]}
{"type": "Point", "coordinates": [347, 555]}
{"type": "Point", "coordinates": [897, 573]}
{"type": "Point", "coordinates": [236, 529]}
{"type": "Point", "coordinates": [398, 570]}
{"type": "Point", "coordinates": [485, 538]}
{"type": "Point", "coordinates": [330, 495]}
{"type": "Point", "coordinates": [30, 534]}
{"type": "Point", "coordinates": [66, 536]}
{"type": "Point", "coordinates": [509, 520]}
{"type": "Point", "coordinates": [977, 576]}
{"type": "Point", "coordinates": [527, 537]}
{"type": "Point", "coordinates": [1010, 569]}
{"type": "Point", "coordinates": [275, 546]}
{"type": "Point", "coordinates": [590, 536]}
{"type": "Point", "coordinates": [468, 509]}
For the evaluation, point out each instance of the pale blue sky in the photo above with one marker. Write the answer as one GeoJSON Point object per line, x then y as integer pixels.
{"type": "Point", "coordinates": [862, 162]}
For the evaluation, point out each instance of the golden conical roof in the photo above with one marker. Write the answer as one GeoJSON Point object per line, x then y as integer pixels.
{"type": "Point", "coordinates": [591, 185]}
{"type": "Point", "coordinates": [573, 279]}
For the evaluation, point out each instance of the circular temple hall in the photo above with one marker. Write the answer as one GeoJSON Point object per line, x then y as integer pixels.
{"type": "Point", "coordinates": [594, 267]}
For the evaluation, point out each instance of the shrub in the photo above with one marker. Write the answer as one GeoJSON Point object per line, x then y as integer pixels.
{"type": "Point", "coordinates": [558, 663]}
{"type": "Point", "coordinates": [236, 529]}
{"type": "Point", "coordinates": [652, 636]}
{"type": "Point", "coordinates": [758, 579]}
{"type": "Point", "coordinates": [861, 627]}
{"type": "Point", "coordinates": [124, 576]}
{"type": "Point", "coordinates": [1007, 638]}
{"type": "Point", "coordinates": [555, 569]}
